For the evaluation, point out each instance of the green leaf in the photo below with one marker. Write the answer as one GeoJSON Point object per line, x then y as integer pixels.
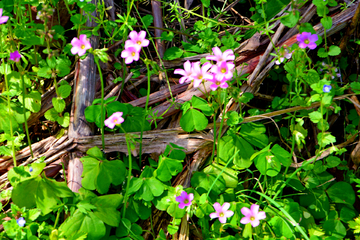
{"type": "Point", "coordinates": [282, 155]}
{"type": "Point", "coordinates": [168, 36]}
{"type": "Point", "coordinates": [41, 192]}
{"type": "Point", "coordinates": [32, 101]}
{"type": "Point", "coordinates": [326, 22]}
{"type": "Point", "coordinates": [291, 19]}
{"type": "Point", "coordinates": [172, 229]}
{"type": "Point", "coordinates": [65, 120]}
{"type": "Point", "coordinates": [116, 107]}
{"type": "Point", "coordinates": [205, 181]}
{"type": "Point", "coordinates": [229, 145]}
{"type": "Point", "coordinates": [51, 62]}
{"type": "Point", "coordinates": [142, 211]}
{"type": "Point", "coordinates": [93, 114]}
{"type": "Point", "coordinates": [173, 53]}
{"type": "Point", "coordinates": [135, 119]}
{"type": "Point", "coordinates": [193, 119]}
{"type": "Point", "coordinates": [64, 91]}
{"type": "Point", "coordinates": [332, 161]}
{"type": "Point", "coordinates": [334, 50]}
{"type": "Point", "coordinates": [51, 114]}
{"type": "Point", "coordinates": [315, 116]}
{"type": "Point", "coordinates": [201, 104]}
{"type": "Point", "coordinates": [44, 72]}
{"type": "Point", "coordinates": [59, 104]}
{"type": "Point", "coordinates": [230, 176]}
{"type": "Point", "coordinates": [167, 168]}
{"type": "Point", "coordinates": [311, 77]}
{"type": "Point", "coordinates": [341, 192]}
{"type": "Point", "coordinates": [21, 173]}
{"type": "Point", "coordinates": [254, 133]}
{"type": "Point", "coordinates": [206, 3]}
{"type": "Point", "coordinates": [106, 208]}
{"type": "Point", "coordinates": [84, 223]}
{"type": "Point", "coordinates": [267, 164]}
{"type": "Point", "coordinates": [147, 20]}
{"type": "Point", "coordinates": [100, 174]}
{"type": "Point", "coordinates": [124, 228]}
{"type": "Point", "coordinates": [322, 53]}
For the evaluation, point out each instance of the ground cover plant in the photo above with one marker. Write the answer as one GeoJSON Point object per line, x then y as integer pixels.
{"type": "Point", "coordinates": [195, 120]}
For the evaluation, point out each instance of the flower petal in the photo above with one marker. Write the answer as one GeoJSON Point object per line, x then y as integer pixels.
{"type": "Point", "coordinates": [261, 215]}
{"type": "Point", "coordinates": [191, 197]}
{"type": "Point", "coordinates": [187, 66]}
{"type": "Point", "coordinates": [245, 220]}
{"type": "Point", "coordinates": [225, 206]}
{"type": "Point", "coordinates": [217, 52]}
{"type": "Point", "coordinates": [255, 209]}
{"type": "Point", "coordinates": [222, 219]}
{"type": "Point", "coordinates": [214, 215]}
{"type": "Point", "coordinates": [133, 35]}
{"type": "Point", "coordinates": [228, 213]}
{"type": "Point", "coordinates": [246, 212]}
{"type": "Point", "coordinates": [180, 72]}
{"type": "Point", "coordinates": [141, 35]}
{"type": "Point", "coordinates": [255, 223]}
{"type": "Point", "coordinates": [181, 205]}
{"type": "Point", "coordinates": [213, 87]}
{"type": "Point", "coordinates": [217, 207]}
{"type": "Point", "coordinates": [313, 38]}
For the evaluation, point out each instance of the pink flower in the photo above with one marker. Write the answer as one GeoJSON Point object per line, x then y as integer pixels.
{"type": "Point", "coordinates": [184, 199]}
{"type": "Point", "coordinates": [130, 54]}
{"type": "Point", "coordinates": [137, 40]}
{"type": "Point", "coordinates": [252, 215]}
{"type": "Point", "coordinates": [307, 39]}
{"type": "Point", "coordinates": [15, 56]}
{"type": "Point", "coordinates": [187, 73]}
{"type": "Point", "coordinates": [221, 212]}
{"type": "Point", "coordinates": [283, 53]}
{"type": "Point", "coordinates": [223, 70]}
{"type": "Point", "coordinates": [219, 56]}
{"type": "Point", "coordinates": [79, 46]}
{"type": "Point", "coordinates": [3, 19]}
{"type": "Point", "coordinates": [217, 83]}
{"type": "Point", "coordinates": [114, 119]}
{"type": "Point", "coordinates": [200, 74]}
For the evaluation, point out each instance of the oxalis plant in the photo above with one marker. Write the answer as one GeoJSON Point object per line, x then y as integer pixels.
{"type": "Point", "coordinates": [284, 176]}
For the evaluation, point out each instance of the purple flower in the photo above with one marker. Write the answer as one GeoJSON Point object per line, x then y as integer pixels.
{"type": "Point", "coordinates": [30, 169]}
{"type": "Point", "coordinates": [137, 39]}
{"type": "Point", "coordinates": [252, 215]}
{"type": "Point", "coordinates": [187, 72]}
{"type": "Point", "coordinates": [184, 199]}
{"type": "Point", "coordinates": [217, 83]}
{"type": "Point", "coordinates": [307, 39]}
{"type": "Point", "coordinates": [326, 88]}
{"type": "Point", "coordinates": [221, 212]}
{"type": "Point", "coordinates": [219, 56]}
{"type": "Point", "coordinates": [79, 46]}
{"type": "Point", "coordinates": [223, 70]}
{"type": "Point", "coordinates": [15, 56]}
{"type": "Point", "coordinates": [130, 54]}
{"type": "Point", "coordinates": [3, 19]}
{"type": "Point", "coordinates": [200, 74]}
{"type": "Point", "coordinates": [114, 119]}
{"type": "Point", "coordinates": [21, 221]}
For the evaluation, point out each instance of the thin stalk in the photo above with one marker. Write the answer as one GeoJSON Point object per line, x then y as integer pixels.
{"type": "Point", "coordinates": [25, 120]}
{"type": "Point", "coordinates": [219, 134]}
{"type": "Point", "coordinates": [129, 174]}
{"type": "Point", "coordinates": [102, 103]}
{"type": "Point", "coordinates": [10, 113]}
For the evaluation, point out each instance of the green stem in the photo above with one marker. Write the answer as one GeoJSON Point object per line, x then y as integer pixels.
{"type": "Point", "coordinates": [25, 120]}
{"type": "Point", "coordinates": [129, 174]}
{"type": "Point", "coordinates": [219, 134]}
{"type": "Point", "coordinates": [102, 102]}
{"type": "Point", "coordinates": [11, 118]}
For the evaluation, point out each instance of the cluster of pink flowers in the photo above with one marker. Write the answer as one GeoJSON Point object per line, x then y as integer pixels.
{"type": "Point", "coordinates": [133, 46]}
{"type": "Point", "coordinates": [252, 215]}
{"type": "Point", "coordinates": [80, 45]}
{"type": "Point", "coordinates": [114, 119]}
{"type": "Point", "coordinates": [218, 74]}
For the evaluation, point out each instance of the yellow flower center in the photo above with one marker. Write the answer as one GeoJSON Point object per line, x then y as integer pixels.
{"type": "Point", "coordinates": [115, 120]}
{"type": "Point", "coordinates": [307, 41]}
{"type": "Point", "coordinates": [223, 70]}
{"type": "Point", "coordinates": [133, 54]}
{"type": "Point", "coordinates": [200, 76]}
{"type": "Point", "coordinates": [252, 218]}
{"type": "Point", "coordinates": [221, 215]}
{"type": "Point", "coordinates": [138, 42]}
{"type": "Point", "coordinates": [82, 46]}
{"type": "Point", "coordinates": [186, 201]}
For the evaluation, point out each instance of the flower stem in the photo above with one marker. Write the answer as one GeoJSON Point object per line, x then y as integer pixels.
{"type": "Point", "coordinates": [25, 120]}
{"type": "Point", "coordinates": [102, 102]}
{"type": "Point", "coordinates": [129, 174]}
